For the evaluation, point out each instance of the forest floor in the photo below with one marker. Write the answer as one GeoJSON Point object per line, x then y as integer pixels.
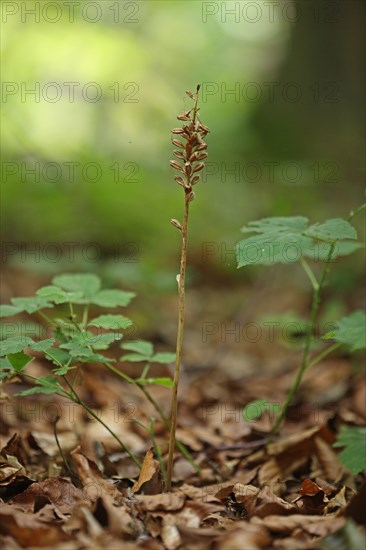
{"type": "Point", "coordinates": [251, 492]}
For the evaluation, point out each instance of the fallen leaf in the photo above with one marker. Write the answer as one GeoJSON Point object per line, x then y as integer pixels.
{"type": "Point", "coordinates": [149, 479]}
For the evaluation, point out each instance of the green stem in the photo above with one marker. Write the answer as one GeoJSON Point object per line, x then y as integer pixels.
{"type": "Point", "coordinates": [324, 354]}
{"type": "Point", "coordinates": [309, 335]}
{"type": "Point", "coordinates": [157, 407]}
{"type": "Point", "coordinates": [309, 272]}
{"type": "Point", "coordinates": [77, 399]}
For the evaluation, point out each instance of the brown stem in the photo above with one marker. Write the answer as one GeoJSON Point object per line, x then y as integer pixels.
{"type": "Point", "coordinates": [181, 292]}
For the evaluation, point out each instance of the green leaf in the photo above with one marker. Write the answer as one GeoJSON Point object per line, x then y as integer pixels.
{"type": "Point", "coordinates": [351, 331]}
{"type": "Point", "coordinates": [9, 311]}
{"type": "Point", "coordinates": [332, 230]}
{"type": "Point", "coordinates": [58, 356]}
{"type": "Point", "coordinates": [288, 224]}
{"type": "Point", "coordinates": [46, 384]}
{"type": "Point", "coordinates": [134, 357]}
{"type": "Point", "coordinates": [43, 345]}
{"type": "Point", "coordinates": [163, 357]}
{"type": "Point", "coordinates": [6, 369]}
{"type": "Point", "coordinates": [254, 409]}
{"type": "Point", "coordinates": [14, 345]}
{"type": "Point", "coordinates": [61, 371]}
{"type": "Point", "coordinates": [102, 341]}
{"type": "Point", "coordinates": [113, 298]}
{"type": "Point", "coordinates": [32, 304]}
{"type": "Point", "coordinates": [353, 455]}
{"type": "Point", "coordinates": [286, 240]}
{"type": "Point", "coordinates": [142, 347]}
{"type": "Point", "coordinates": [166, 382]}
{"type": "Point", "coordinates": [272, 248]}
{"type": "Point", "coordinates": [19, 360]}
{"type": "Point", "coordinates": [116, 322]}
{"type": "Point", "coordinates": [87, 284]}
{"type": "Point", "coordinates": [57, 295]}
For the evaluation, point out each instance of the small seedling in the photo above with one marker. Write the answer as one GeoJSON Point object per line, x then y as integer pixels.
{"type": "Point", "coordinates": [190, 155]}
{"type": "Point", "coordinates": [77, 339]}
{"type": "Point", "coordinates": [319, 242]}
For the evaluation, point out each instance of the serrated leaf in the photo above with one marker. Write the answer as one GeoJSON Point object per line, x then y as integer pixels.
{"type": "Point", "coordinates": [113, 298]}
{"type": "Point", "coordinates": [61, 371]}
{"type": "Point", "coordinates": [166, 382]}
{"type": "Point", "coordinates": [46, 384]}
{"type": "Point", "coordinates": [350, 331]}
{"type": "Point", "coordinates": [14, 345]}
{"type": "Point", "coordinates": [289, 224]}
{"type": "Point", "coordinates": [353, 456]}
{"type": "Point", "coordinates": [272, 248]}
{"type": "Point", "coordinates": [286, 240]}
{"type": "Point", "coordinates": [19, 360]}
{"type": "Point", "coordinates": [336, 229]}
{"type": "Point", "coordinates": [87, 284]}
{"type": "Point", "coordinates": [43, 345]}
{"type": "Point", "coordinates": [9, 310]}
{"type": "Point", "coordinates": [116, 322]}
{"type": "Point", "coordinates": [142, 347]}
{"type": "Point", "coordinates": [163, 357]}
{"type": "Point", "coordinates": [31, 304]}
{"type": "Point", "coordinates": [58, 356]}
{"type": "Point", "coordinates": [58, 295]}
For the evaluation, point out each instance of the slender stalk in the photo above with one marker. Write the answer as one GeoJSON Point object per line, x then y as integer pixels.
{"type": "Point", "coordinates": [181, 292]}
{"type": "Point", "coordinates": [77, 399]}
{"type": "Point", "coordinates": [317, 286]}
{"type": "Point", "coordinates": [324, 354]}
{"type": "Point", "coordinates": [194, 152]}
{"type": "Point", "coordinates": [157, 407]}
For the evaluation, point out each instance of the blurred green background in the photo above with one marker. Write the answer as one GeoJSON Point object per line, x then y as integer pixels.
{"type": "Point", "coordinates": [91, 90]}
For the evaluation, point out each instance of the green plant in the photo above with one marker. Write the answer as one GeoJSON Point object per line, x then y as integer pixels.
{"type": "Point", "coordinates": [321, 243]}
{"type": "Point", "coordinates": [78, 339]}
{"type": "Point", "coordinates": [191, 154]}
{"type": "Point", "coordinates": [353, 456]}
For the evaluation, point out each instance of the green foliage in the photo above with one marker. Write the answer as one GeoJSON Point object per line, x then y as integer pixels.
{"type": "Point", "coordinates": [271, 244]}
{"type": "Point", "coordinates": [353, 456]}
{"type": "Point", "coordinates": [285, 240]}
{"type": "Point", "coordinates": [350, 331]}
{"type": "Point", "coordinates": [144, 352]}
{"type": "Point", "coordinates": [76, 339]}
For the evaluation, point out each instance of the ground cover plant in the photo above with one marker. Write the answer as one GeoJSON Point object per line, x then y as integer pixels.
{"type": "Point", "coordinates": [201, 476]}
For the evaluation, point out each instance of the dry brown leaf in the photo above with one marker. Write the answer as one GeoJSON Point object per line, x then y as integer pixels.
{"type": "Point", "coordinates": [149, 479]}
{"type": "Point", "coordinates": [164, 501]}
{"type": "Point", "coordinates": [59, 492]}
{"type": "Point", "coordinates": [245, 536]}
{"type": "Point", "coordinates": [333, 470]}
{"type": "Point", "coordinates": [28, 530]}
{"type": "Point", "coordinates": [314, 525]}
{"type": "Point", "coordinates": [94, 485]}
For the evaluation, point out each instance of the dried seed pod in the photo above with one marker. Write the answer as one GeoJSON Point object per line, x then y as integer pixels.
{"type": "Point", "coordinates": [178, 143]}
{"type": "Point", "coordinates": [176, 165]}
{"type": "Point", "coordinates": [179, 155]}
{"type": "Point", "coordinates": [178, 131]}
{"type": "Point", "coordinates": [183, 117]}
{"type": "Point", "coordinates": [181, 181]}
{"type": "Point", "coordinates": [176, 224]}
{"type": "Point", "coordinates": [198, 167]}
{"type": "Point", "coordinates": [201, 146]}
{"type": "Point", "coordinates": [191, 196]}
{"type": "Point", "coordinates": [190, 94]}
{"type": "Point", "coordinates": [195, 180]}
{"type": "Point", "coordinates": [201, 156]}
